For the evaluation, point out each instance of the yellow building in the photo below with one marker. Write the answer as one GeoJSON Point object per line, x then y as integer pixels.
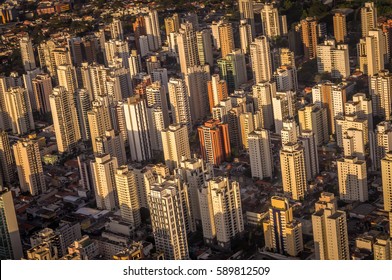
{"type": "Point", "coordinates": [282, 233]}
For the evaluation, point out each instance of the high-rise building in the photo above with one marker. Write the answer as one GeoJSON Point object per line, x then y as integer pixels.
{"type": "Point", "coordinates": [98, 121]}
{"type": "Point", "coordinates": [83, 105]}
{"type": "Point", "coordinates": [175, 142]}
{"type": "Point", "coordinates": [334, 59]}
{"type": "Point", "coordinates": [166, 200]}
{"type": "Point", "coordinates": [246, 12]}
{"type": "Point", "coordinates": [261, 60]}
{"type": "Point", "coordinates": [247, 126]}
{"type": "Point", "coordinates": [351, 122]}
{"type": "Point", "coordinates": [66, 76]}
{"type": "Point", "coordinates": [386, 165]}
{"type": "Point", "coordinates": [382, 247]}
{"type": "Point", "coordinates": [293, 168]}
{"type": "Point", "coordinates": [153, 30]}
{"type": "Point", "coordinates": [289, 132]}
{"type": "Point", "coordinates": [380, 143]}
{"type": "Point", "coordinates": [116, 29]}
{"type": "Point", "coordinates": [270, 20]}
{"type": "Point", "coordinates": [246, 37]}
{"type": "Point", "coordinates": [262, 99]}
{"type": "Point", "coordinates": [217, 91]}
{"type": "Point", "coordinates": [193, 172]}
{"type": "Point", "coordinates": [352, 179]}
{"type": "Point", "coordinates": [18, 109]}
{"type": "Point", "coordinates": [226, 38]}
{"type": "Point", "coordinates": [179, 102]}
{"type": "Point", "coordinates": [282, 233]}
{"type": "Point", "coordinates": [311, 117]}
{"type": "Point", "coordinates": [65, 119]}
{"type": "Point", "coordinates": [260, 153]}
{"type": "Point", "coordinates": [137, 126]}
{"type": "Point", "coordinates": [112, 143]}
{"type": "Point", "coordinates": [42, 88]}
{"type": "Point", "coordinates": [115, 49]}
{"type": "Point", "coordinates": [204, 47]}
{"type": "Point", "coordinates": [29, 165]}
{"type": "Point", "coordinates": [330, 229]}
{"type": "Point", "coordinates": [221, 212]}
{"type": "Point", "coordinates": [286, 78]}
{"type": "Point", "coordinates": [27, 53]}
{"type": "Point", "coordinates": [308, 142]}
{"type": "Point", "coordinates": [283, 104]}
{"type": "Point", "coordinates": [368, 18]}
{"type": "Point", "coordinates": [339, 27]}
{"type": "Point", "coordinates": [7, 163]}
{"type": "Point", "coordinates": [375, 51]}
{"type": "Point", "coordinates": [197, 80]}
{"type": "Point", "coordinates": [309, 37]}
{"type": "Point", "coordinates": [380, 89]}
{"type": "Point", "coordinates": [214, 141]}
{"type": "Point", "coordinates": [127, 195]}
{"type": "Point", "coordinates": [103, 170]}
{"type": "Point", "coordinates": [233, 69]}
{"type": "Point", "coordinates": [11, 245]}
{"type": "Point", "coordinates": [187, 47]}
{"type": "Point", "coordinates": [360, 106]}
{"type": "Point", "coordinates": [172, 24]}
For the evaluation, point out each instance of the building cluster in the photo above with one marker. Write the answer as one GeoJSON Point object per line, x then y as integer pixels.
{"type": "Point", "coordinates": [117, 137]}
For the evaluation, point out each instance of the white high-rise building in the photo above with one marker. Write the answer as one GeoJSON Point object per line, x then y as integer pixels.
{"type": "Point", "coordinates": [116, 30]}
{"type": "Point", "coordinates": [27, 53]}
{"type": "Point", "coordinates": [187, 47]}
{"type": "Point", "coordinates": [333, 58]}
{"type": "Point", "coordinates": [261, 60]}
{"type": "Point", "coordinates": [293, 169]}
{"type": "Point", "coordinates": [127, 195]}
{"type": "Point", "coordinates": [352, 179]}
{"type": "Point", "coordinates": [308, 142]}
{"type": "Point", "coordinates": [175, 142]}
{"type": "Point", "coordinates": [137, 126]}
{"type": "Point", "coordinates": [289, 132]}
{"type": "Point", "coordinates": [115, 49]}
{"type": "Point", "coordinates": [262, 96]}
{"type": "Point", "coordinates": [246, 37]}
{"type": "Point", "coordinates": [221, 212]}
{"type": "Point", "coordinates": [112, 143]}
{"type": "Point", "coordinates": [311, 117]}
{"type": "Point", "coordinates": [11, 245]}
{"type": "Point", "coordinates": [153, 31]}
{"type": "Point", "coordinates": [351, 122]}
{"type": "Point", "coordinates": [103, 172]}
{"type": "Point", "coordinates": [286, 78]}
{"type": "Point", "coordinates": [66, 76]}
{"type": "Point", "coordinates": [330, 232]}
{"type": "Point", "coordinates": [368, 18]}
{"type": "Point", "coordinates": [204, 47]}
{"type": "Point", "coordinates": [386, 165]}
{"type": "Point", "coordinates": [283, 104]}
{"type": "Point", "coordinates": [270, 20]}
{"type": "Point", "coordinates": [29, 165]}
{"type": "Point", "coordinates": [380, 143]}
{"type": "Point", "coordinates": [375, 51]}
{"type": "Point", "coordinates": [65, 119]}
{"type": "Point", "coordinates": [18, 110]}
{"type": "Point", "coordinates": [158, 120]}
{"type": "Point", "coordinates": [196, 81]}
{"type": "Point", "coordinates": [193, 173]}
{"type": "Point", "coordinates": [179, 102]}
{"type": "Point", "coordinates": [99, 121]}
{"type": "Point", "coordinates": [260, 153]}
{"type": "Point", "coordinates": [246, 12]}
{"type": "Point", "coordinates": [166, 200]}
{"type": "Point", "coordinates": [380, 89]}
